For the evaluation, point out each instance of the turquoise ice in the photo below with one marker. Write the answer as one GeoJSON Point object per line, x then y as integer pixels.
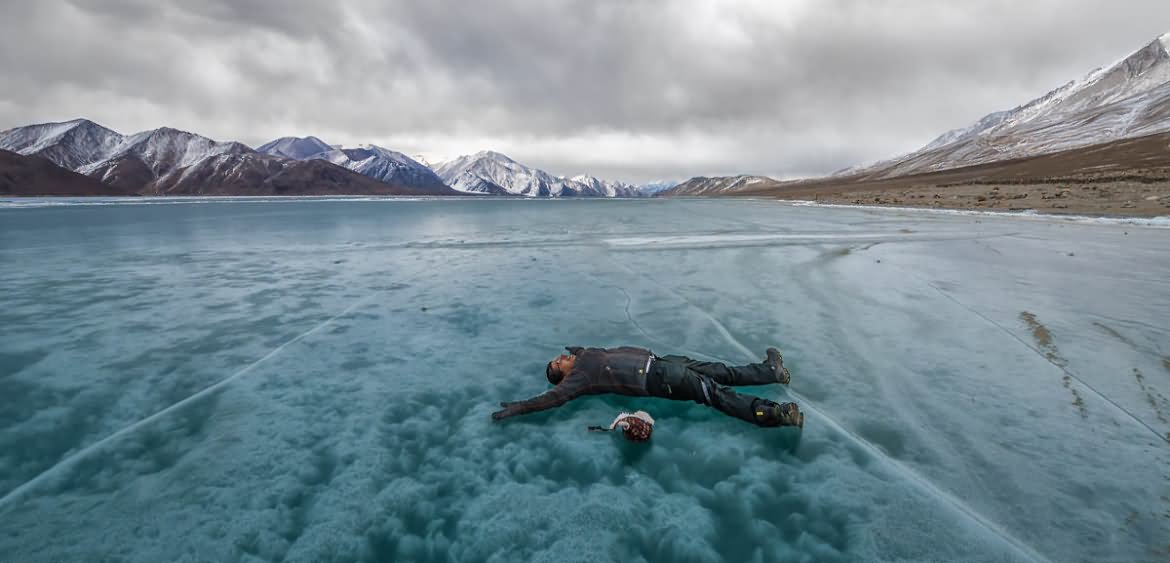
{"type": "Point", "coordinates": [311, 380]}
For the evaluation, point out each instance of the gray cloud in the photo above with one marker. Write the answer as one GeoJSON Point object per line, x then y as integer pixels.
{"type": "Point", "coordinates": [628, 90]}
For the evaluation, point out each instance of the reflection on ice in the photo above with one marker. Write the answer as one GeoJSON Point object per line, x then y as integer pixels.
{"type": "Point", "coordinates": [311, 380]}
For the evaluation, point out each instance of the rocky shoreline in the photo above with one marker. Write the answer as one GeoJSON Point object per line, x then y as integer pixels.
{"type": "Point", "coordinates": [1128, 199]}
{"type": "Point", "coordinates": [1130, 177]}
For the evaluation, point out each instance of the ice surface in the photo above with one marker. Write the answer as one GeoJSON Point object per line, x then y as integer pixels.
{"type": "Point", "coordinates": [311, 380]}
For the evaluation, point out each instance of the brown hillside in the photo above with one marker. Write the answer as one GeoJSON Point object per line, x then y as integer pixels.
{"type": "Point", "coordinates": [36, 176]}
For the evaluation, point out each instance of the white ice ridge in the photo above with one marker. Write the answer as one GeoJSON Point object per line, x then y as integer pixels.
{"type": "Point", "coordinates": [948, 499]}
{"type": "Point", "coordinates": [1165, 39]}
{"type": "Point", "coordinates": [766, 239]}
{"type": "Point", "coordinates": [72, 460]}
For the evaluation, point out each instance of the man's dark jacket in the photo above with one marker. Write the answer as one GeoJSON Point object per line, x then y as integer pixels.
{"type": "Point", "coordinates": [597, 370]}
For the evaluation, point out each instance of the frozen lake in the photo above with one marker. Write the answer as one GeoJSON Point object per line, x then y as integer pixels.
{"type": "Point", "coordinates": [311, 380]}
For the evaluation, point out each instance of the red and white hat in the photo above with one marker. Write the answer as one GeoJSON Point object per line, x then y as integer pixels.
{"type": "Point", "coordinates": [636, 427]}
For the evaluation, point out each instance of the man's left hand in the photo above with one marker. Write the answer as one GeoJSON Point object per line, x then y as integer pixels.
{"type": "Point", "coordinates": [500, 415]}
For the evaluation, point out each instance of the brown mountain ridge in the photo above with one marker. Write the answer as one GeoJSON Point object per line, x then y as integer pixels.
{"type": "Point", "coordinates": [36, 176]}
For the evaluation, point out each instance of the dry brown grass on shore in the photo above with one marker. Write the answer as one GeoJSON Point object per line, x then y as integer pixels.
{"type": "Point", "coordinates": [1129, 177]}
{"type": "Point", "coordinates": [1120, 198]}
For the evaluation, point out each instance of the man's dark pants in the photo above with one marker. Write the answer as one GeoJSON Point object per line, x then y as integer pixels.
{"type": "Point", "coordinates": [683, 379]}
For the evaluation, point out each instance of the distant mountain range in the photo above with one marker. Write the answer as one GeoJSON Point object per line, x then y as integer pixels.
{"type": "Point", "coordinates": [368, 160]}
{"type": "Point", "coordinates": [703, 186]}
{"type": "Point", "coordinates": [489, 172]}
{"type": "Point", "coordinates": [167, 161]}
{"type": "Point", "coordinates": [1127, 100]}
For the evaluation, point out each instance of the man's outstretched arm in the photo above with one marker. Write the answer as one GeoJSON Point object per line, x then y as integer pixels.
{"type": "Point", "coordinates": [572, 387]}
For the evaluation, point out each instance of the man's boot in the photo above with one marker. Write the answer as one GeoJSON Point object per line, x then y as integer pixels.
{"type": "Point", "coordinates": [776, 362]}
{"type": "Point", "coordinates": [768, 413]}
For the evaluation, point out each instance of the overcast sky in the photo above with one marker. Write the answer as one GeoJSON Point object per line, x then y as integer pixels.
{"type": "Point", "coordinates": [629, 90]}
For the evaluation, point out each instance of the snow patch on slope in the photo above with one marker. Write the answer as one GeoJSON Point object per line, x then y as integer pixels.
{"type": "Point", "coordinates": [70, 144]}
{"type": "Point", "coordinates": [1122, 100]}
{"type": "Point", "coordinates": [385, 165]}
{"type": "Point", "coordinates": [296, 148]}
{"type": "Point", "coordinates": [489, 172]}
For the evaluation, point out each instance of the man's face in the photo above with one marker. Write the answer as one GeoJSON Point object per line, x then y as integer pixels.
{"type": "Point", "coordinates": [562, 364]}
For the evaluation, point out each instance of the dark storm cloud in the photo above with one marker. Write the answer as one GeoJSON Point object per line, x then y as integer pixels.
{"type": "Point", "coordinates": [631, 90]}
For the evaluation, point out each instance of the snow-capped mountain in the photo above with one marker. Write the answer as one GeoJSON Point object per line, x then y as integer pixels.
{"type": "Point", "coordinates": [70, 144]}
{"type": "Point", "coordinates": [170, 161]}
{"type": "Point", "coordinates": [714, 186]}
{"type": "Point", "coordinates": [159, 152]}
{"type": "Point", "coordinates": [263, 174]}
{"type": "Point", "coordinates": [1128, 99]}
{"type": "Point", "coordinates": [488, 172]}
{"type": "Point", "coordinates": [605, 188]}
{"type": "Point", "coordinates": [88, 148]}
{"type": "Point", "coordinates": [296, 148]}
{"type": "Point", "coordinates": [167, 160]}
{"type": "Point", "coordinates": [369, 160]}
{"type": "Point", "coordinates": [386, 165]}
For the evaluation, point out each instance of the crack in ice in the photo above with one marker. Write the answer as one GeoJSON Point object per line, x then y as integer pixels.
{"type": "Point", "coordinates": [636, 324]}
{"type": "Point", "coordinates": [72, 460]}
{"type": "Point", "coordinates": [1051, 360]}
{"type": "Point", "coordinates": [948, 499]}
